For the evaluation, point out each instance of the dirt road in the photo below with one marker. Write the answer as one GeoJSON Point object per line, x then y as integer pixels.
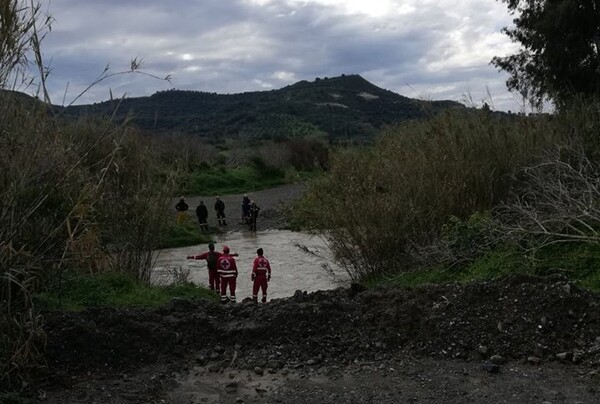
{"type": "Point", "coordinates": [271, 202]}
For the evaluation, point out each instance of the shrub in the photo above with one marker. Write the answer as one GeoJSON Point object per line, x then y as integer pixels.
{"type": "Point", "coordinates": [378, 203]}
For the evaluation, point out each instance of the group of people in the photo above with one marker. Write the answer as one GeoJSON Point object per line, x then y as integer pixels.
{"type": "Point", "coordinates": [223, 272]}
{"type": "Point", "coordinates": [249, 212]}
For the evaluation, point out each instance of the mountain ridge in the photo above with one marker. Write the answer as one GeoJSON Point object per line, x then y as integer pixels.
{"type": "Point", "coordinates": [342, 107]}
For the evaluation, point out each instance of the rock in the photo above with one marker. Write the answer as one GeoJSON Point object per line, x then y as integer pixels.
{"type": "Point", "coordinates": [201, 360]}
{"type": "Point", "coordinates": [534, 360]}
{"type": "Point", "coordinates": [299, 296]}
{"type": "Point", "coordinates": [577, 356]}
{"type": "Point", "coordinates": [355, 289]}
{"type": "Point", "coordinates": [490, 367]}
{"type": "Point", "coordinates": [232, 386]}
{"type": "Point", "coordinates": [285, 371]}
{"type": "Point", "coordinates": [219, 348]}
{"type": "Point", "coordinates": [214, 355]}
{"type": "Point", "coordinates": [483, 349]}
{"type": "Point", "coordinates": [239, 400]}
{"type": "Point", "coordinates": [259, 371]}
{"type": "Point", "coordinates": [214, 368]}
{"type": "Point", "coordinates": [563, 356]}
{"type": "Point", "coordinates": [171, 320]}
{"type": "Point", "coordinates": [273, 364]}
{"type": "Point", "coordinates": [567, 288]}
{"type": "Point", "coordinates": [312, 362]}
{"type": "Point", "coordinates": [498, 360]}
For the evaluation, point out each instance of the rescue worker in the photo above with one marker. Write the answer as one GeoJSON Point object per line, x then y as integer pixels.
{"type": "Point", "coordinates": [202, 215]}
{"type": "Point", "coordinates": [261, 275]}
{"type": "Point", "coordinates": [181, 208]}
{"type": "Point", "coordinates": [254, 209]}
{"type": "Point", "coordinates": [212, 258]}
{"type": "Point", "coordinates": [246, 209]}
{"type": "Point", "coordinates": [220, 209]}
{"type": "Point", "coordinates": [228, 273]}
{"type": "Point", "coordinates": [212, 263]}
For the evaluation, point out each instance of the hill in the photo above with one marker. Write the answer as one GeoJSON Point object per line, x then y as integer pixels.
{"type": "Point", "coordinates": [347, 106]}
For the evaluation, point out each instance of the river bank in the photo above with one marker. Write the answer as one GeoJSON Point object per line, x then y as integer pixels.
{"type": "Point", "coordinates": [273, 203]}
{"type": "Point", "coordinates": [519, 339]}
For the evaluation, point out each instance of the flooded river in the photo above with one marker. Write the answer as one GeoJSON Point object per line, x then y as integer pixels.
{"type": "Point", "coordinates": [293, 268]}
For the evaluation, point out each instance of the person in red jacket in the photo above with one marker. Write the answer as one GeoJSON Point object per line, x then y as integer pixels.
{"type": "Point", "coordinates": [211, 257]}
{"type": "Point", "coordinates": [261, 275]}
{"type": "Point", "coordinates": [228, 273]}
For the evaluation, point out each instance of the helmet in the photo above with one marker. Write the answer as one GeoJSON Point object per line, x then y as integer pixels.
{"type": "Point", "coordinates": [225, 249]}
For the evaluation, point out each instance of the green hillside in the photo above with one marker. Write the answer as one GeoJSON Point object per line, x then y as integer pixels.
{"type": "Point", "coordinates": [341, 107]}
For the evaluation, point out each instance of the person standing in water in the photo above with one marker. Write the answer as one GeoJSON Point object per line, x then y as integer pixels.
{"type": "Point", "coordinates": [254, 209]}
{"type": "Point", "coordinates": [228, 273]}
{"type": "Point", "coordinates": [212, 258]}
{"type": "Point", "coordinates": [261, 275]}
{"type": "Point", "coordinates": [246, 209]}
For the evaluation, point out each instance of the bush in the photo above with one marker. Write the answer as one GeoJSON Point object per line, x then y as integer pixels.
{"type": "Point", "coordinates": [113, 289]}
{"type": "Point", "coordinates": [378, 205]}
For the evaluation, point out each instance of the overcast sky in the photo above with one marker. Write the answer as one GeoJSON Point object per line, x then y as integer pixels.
{"type": "Point", "coordinates": [432, 49]}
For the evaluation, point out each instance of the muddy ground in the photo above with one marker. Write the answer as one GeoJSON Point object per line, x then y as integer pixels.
{"type": "Point", "coordinates": [520, 339]}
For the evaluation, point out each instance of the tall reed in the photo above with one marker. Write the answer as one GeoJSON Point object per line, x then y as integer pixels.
{"type": "Point", "coordinates": [377, 203]}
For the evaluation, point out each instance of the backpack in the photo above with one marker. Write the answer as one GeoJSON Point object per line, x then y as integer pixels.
{"type": "Point", "coordinates": [211, 260]}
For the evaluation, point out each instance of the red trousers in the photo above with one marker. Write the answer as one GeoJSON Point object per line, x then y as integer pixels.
{"type": "Point", "coordinates": [228, 281]}
{"type": "Point", "coordinates": [260, 282]}
{"type": "Point", "coordinates": [213, 280]}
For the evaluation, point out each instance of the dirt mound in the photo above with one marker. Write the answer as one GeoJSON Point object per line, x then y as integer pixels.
{"type": "Point", "coordinates": [518, 318]}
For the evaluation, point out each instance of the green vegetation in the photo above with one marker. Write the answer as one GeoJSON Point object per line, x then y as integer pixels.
{"type": "Point", "coordinates": [345, 107]}
{"type": "Point", "coordinates": [408, 205]}
{"type": "Point", "coordinates": [111, 289]}
{"type": "Point", "coordinates": [578, 263]}
{"type": "Point", "coordinates": [550, 63]}
{"type": "Point", "coordinates": [222, 181]}
{"type": "Point", "coordinates": [183, 234]}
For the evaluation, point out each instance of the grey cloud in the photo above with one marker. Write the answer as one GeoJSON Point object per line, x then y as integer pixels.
{"type": "Point", "coordinates": [233, 46]}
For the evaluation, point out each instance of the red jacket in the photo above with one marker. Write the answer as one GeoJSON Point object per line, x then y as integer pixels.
{"type": "Point", "coordinates": [204, 256]}
{"type": "Point", "coordinates": [226, 266]}
{"type": "Point", "coordinates": [261, 266]}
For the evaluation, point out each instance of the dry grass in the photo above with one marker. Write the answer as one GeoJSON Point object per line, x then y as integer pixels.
{"type": "Point", "coordinates": [378, 204]}
{"type": "Point", "coordinates": [85, 196]}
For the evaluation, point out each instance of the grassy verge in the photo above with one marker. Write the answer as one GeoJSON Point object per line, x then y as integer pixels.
{"type": "Point", "coordinates": [114, 290]}
{"type": "Point", "coordinates": [184, 234]}
{"type": "Point", "coordinates": [255, 177]}
{"type": "Point", "coordinates": [579, 263]}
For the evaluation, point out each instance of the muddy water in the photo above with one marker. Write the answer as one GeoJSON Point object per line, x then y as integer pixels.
{"type": "Point", "coordinates": [293, 268]}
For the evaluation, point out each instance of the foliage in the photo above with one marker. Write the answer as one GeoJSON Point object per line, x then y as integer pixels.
{"type": "Point", "coordinates": [560, 49]}
{"type": "Point", "coordinates": [577, 262]}
{"type": "Point", "coordinates": [82, 195]}
{"type": "Point", "coordinates": [113, 289]}
{"type": "Point", "coordinates": [183, 234]}
{"type": "Point", "coordinates": [347, 107]}
{"type": "Point", "coordinates": [377, 206]}
{"type": "Point", "coordinates": [221, 181]}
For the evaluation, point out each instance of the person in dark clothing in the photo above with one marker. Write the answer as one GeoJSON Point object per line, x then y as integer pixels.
{"type": "Point", "coordinates": [246, 209]}
{"type": "Point", "coordinates": [220, 209]}
{"type": "Point", "coordinates": [254, 209]}
{"type": "Point", "coordinates": [181, 208]}
{"type": "Point", "coordinates": [202, 215]}
{"type": "Point", "coordinates": [212, 259]}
